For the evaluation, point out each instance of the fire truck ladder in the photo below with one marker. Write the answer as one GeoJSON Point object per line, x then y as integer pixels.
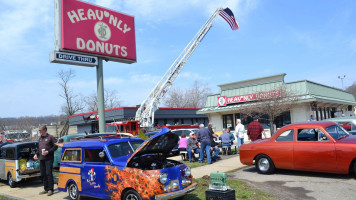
{"type": "Point", "coordinates": [145, 114]}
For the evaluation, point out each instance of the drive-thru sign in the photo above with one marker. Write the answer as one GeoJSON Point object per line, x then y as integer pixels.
{"type": "Point", "coordinates": [73, 59]}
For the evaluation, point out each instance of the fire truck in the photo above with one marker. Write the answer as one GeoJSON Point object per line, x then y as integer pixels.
{"type": "Point", "coordinates": [133, 127]}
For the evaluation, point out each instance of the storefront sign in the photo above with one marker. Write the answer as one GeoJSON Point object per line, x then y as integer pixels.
{"type": "Point", "coordinates": [74, 59]}
{"type": "Point", "coordinates": [223, 101]}
{"type": "Point", "coordinates": [96, 31]}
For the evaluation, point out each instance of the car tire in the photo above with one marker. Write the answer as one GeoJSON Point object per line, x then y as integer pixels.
{"type": "Point", "coordinates": [353, 172]}
{"type": "Point", "coordinates": [132, 195]}
{"type": "Point", "coordinates": [264, 164]}
{"type": "Point", "coordinates": [10, 181]}
{"type": "Point", "coordinates": [73, 192]}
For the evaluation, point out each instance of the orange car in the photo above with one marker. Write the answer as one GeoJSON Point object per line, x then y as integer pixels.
{"type": "Point", "coordinates": [310, 146]}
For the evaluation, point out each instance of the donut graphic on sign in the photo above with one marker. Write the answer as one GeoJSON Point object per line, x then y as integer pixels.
{"type": "Point", "coordinates": [222, 101]}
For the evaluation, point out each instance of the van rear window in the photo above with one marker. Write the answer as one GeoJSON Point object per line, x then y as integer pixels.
{"type": "Point", "coordinates": [72, 155]}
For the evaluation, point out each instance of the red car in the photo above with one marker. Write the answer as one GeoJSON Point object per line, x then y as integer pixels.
{"type": "Point", "coordinates": [310, 146]}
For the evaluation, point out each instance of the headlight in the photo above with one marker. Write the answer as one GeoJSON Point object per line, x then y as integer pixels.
{"type": "Point", "coordinates": [187, 171]}
{"type": "Point", "coordinates": [163, 178]}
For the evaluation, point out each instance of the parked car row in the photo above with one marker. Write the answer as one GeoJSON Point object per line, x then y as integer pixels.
{"type": "Point", "coordinates": [109, 166]}
{"type": "Point", "coordinates": [322, 146]}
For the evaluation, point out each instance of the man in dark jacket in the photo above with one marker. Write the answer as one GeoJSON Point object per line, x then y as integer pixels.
{"type": "Point", "coordinates": [204, 136]}
{"type": "Point", "coordinates": [46, 148]}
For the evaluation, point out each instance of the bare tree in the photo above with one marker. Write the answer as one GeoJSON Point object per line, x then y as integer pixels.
{"type": "Point", "coordinates": [272, 104]}
{"type": "Point", "coordinates": [193, 97]}
{"type": "Point", "coordinates": [176, 98]}
{"type": "Point", "coordinates": [111, 100]}
{"type": "Point", "coordinates": [352, 89]}
{"type": "Point", "coordinates": [72, 103]}
{"type": "Point", "coordinates": [3, 124]}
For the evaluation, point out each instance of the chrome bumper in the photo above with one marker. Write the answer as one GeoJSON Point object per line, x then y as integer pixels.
{"type": "Point", "coordinates": [176, 194]}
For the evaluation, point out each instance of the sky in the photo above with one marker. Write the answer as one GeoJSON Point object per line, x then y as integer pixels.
{"type": "Point", "coordinates": [306, 39]}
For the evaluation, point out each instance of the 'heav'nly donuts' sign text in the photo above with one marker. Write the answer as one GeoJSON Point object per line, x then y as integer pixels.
{"type": "Point", "coordinates": [97, 31]}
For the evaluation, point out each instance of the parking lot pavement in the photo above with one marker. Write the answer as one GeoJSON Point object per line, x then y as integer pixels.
{"type": "Point", "coordinates": [30, 189]}
{"type": "Point", "coordinates": [288, 184]}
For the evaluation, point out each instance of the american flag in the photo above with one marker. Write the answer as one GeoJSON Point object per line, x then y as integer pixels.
{"type": "Point", "coordinates": [229, 17]}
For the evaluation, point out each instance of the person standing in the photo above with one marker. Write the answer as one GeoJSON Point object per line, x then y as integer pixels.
{"type": "Point", "coordinates": [311, 118]}
{"type": "Point", "coordinates": [232, 137]}
{"type": "Point", "coordinates": [204, 136]}
{"type": "Point", "coordinates": [46, 148]}
{"type": "Point", "coordinates": [192, 146]}
{"type": "Point", "coordinates": [240, 133]}
{"type": "Point", "coordinates": [255, 130]}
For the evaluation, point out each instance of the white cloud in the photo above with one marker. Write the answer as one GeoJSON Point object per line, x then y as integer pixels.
{"type": "Point", "coordinates": [18, 20]}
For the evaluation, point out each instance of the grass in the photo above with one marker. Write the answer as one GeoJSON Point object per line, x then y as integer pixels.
{"type": "Point", "coordinates": [5, 197]}
{"type": "Point", "coordinates": [242, 190]}
{"type": "Point", "coordinates": [55, 174]}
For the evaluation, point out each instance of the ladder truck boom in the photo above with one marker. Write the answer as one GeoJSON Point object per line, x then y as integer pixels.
{"type": "Point", "coordinates": [145, 113]}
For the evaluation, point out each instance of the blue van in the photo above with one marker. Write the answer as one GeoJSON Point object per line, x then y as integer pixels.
{"type": "Point", "coordinates": [125, 168]}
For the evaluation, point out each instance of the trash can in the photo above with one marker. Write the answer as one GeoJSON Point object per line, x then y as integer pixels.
{"type": "Point", "coordinates": [220, 195]}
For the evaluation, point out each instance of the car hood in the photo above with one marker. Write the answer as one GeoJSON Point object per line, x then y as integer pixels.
{"type": "Point", "coordinates": [348, 139]}
{"type": "Point", "coordinates": [161, 143]}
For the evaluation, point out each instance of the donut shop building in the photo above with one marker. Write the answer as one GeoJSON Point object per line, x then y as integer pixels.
{"type": "Point", "coordinates": [315, 99]}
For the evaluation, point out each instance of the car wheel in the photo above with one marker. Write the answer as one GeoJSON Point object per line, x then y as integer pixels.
{"type": "Point", "coordinates": [354, 169]}
{"type": "Point", "coordinates": [73, 191]}
{"type": "Point", "coordinates": [132, 195]}
{"type": "Point", "coordinates": [10, 181]}
{"type": "Point", "coordinates": [264, 165]}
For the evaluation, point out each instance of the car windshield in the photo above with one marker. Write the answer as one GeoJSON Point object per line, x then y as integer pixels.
{"type": "Point", "coordinates": [336, 131]}
{"type": "Point", "coordinates": [123, 148]}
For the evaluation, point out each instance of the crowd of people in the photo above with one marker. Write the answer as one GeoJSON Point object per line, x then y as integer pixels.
{"type": "Point", "coordinates": [203, 142]}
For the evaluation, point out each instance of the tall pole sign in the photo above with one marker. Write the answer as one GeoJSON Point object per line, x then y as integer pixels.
{"type": "Point", "coordinates": [87, 34]}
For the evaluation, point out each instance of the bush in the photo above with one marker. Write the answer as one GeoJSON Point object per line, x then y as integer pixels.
{"type": "Point", "coordinates": [142, 135]}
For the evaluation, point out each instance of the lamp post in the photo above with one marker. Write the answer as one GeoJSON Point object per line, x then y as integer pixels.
{"type": "Point", "coordinates": [342, 80]}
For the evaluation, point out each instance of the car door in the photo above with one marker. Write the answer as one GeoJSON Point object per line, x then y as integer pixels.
{"type": "Point", "coordinates": [283, 155]}
{"type": "Point", "coordinates": [314, 151]}
{"type": "Point", "coordinates": [93, 172]}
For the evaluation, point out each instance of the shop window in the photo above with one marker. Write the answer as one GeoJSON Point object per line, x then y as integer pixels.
{"type": "Point", "coordinates": [228, 121]}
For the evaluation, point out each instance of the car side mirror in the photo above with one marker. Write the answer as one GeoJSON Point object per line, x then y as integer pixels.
{"type": "Point", "coordinates": [102, 154]}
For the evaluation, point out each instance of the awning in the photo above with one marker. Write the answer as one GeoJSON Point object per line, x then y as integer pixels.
{"type": "Point", "coordinates": [302, 99]}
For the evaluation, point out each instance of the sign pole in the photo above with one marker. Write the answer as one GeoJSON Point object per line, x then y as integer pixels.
{"type": "Point", "coordinates": [100, 91]}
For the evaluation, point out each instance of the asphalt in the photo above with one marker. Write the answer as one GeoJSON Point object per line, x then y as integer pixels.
{"type": "Point", "coordinates": [30, 189]}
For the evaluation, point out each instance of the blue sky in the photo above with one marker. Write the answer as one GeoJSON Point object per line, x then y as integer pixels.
{"type": "Point", "coordinates": [313, 40]}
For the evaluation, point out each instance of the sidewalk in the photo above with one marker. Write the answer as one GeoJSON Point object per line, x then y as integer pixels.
{"type": "Point", "coordinates": [30, 190]}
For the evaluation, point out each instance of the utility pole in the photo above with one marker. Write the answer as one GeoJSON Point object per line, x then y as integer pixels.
{"type": "Point", "coordinates": [342, 80]}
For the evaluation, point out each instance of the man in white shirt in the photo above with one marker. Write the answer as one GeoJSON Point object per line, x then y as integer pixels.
{"type": "Point", "coordinates": [240, 132]}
